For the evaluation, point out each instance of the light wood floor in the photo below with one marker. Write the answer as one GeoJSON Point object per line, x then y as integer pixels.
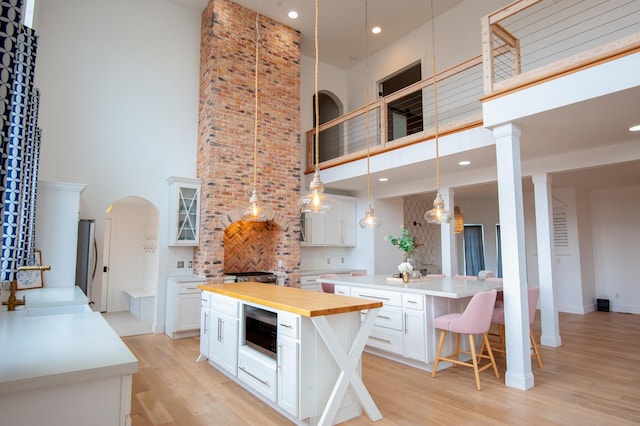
{"type": "Point", "coordinates": [592, 379]}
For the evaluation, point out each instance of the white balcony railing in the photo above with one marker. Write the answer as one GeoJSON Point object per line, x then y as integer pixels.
{"type": "Point", "coordinates": [523, 43]}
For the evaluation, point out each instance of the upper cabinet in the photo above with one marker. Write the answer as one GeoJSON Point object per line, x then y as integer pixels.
{"type": "Point", "coordinates": [184, 211]}
{"type": "Point", "coordinates": [336, 228]}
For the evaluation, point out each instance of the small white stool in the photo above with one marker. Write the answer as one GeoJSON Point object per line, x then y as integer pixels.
{"type": "Point", "coordinates": [140, 303]}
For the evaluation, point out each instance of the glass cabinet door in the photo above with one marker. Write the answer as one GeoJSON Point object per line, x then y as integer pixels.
{"type": "Point", "coordinates": [185, 211]}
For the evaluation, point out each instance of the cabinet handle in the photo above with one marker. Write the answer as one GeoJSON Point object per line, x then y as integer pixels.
{"type": "Point", "coordinates": [284, 324]}
{"type": "Point", "coordinates": [380, 340]}
{"type": "Point", "coordinates": [264, 382]}
{"type": "Point", "coordinates": [412, 301]}
{"type": "Point", "coordinates": [374, 297]}
{"type": "Point", "coordinates": [406, 328]}
{"type": "Point", "coordinates": [384, 317]}
{"type": "Point", "coordinates": [219, 338]}
{"type": "Point", "coordinates": [204, 326]}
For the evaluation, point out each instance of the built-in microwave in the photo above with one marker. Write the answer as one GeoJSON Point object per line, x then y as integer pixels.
{"type": "Point", "coordinates": [261, 330]}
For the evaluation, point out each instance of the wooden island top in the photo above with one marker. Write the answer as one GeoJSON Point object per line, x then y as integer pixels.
{"type": "Point", "coordinates": [295, 300]}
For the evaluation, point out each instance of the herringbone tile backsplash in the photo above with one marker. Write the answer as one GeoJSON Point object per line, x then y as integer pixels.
{"type": "Point", "coordinates": [249, 246]}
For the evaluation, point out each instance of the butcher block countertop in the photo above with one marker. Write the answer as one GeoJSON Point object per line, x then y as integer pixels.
{"type": "Point", "coordinates": [295, 300]}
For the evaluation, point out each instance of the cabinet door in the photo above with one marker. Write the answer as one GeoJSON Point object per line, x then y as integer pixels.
{"type": "Point", "coordinates": [348, 222]}
{"type": "Point", "coordinates": [314, 229]}
{"type": "Point", "coordinates": [204, 325]}
{"type": "Point", "coordinates": [333, 225]}
{"type": "Point", "coordinates": [184, 204]}
{"type": "Point", "coordinates": [223, 341]}
{"type": "Point", "coordinates": [188, 312]}
{"type": "Point", "coordinates": [415, 335]}
{"type": "Point", "coordinates": [288, 375]}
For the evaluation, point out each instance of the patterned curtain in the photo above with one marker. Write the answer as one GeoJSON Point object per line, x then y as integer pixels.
{"type": "Point", "coordinates": [20, 139]}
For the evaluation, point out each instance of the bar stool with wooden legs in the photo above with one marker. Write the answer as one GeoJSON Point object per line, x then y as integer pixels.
{"type": "Point", "coordinates": [498, 318]}
{"type": "Point", "coordinates": [475, 320]}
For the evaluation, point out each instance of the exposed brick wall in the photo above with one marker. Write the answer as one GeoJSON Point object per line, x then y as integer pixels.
{"type": "Point", "coordinates": [226, 137]}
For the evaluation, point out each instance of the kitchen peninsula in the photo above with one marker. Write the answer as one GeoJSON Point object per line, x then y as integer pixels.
{"type": "Point", "coordinates": [297, 350]}
{"type": "Point", "coordinates": [403, 329]}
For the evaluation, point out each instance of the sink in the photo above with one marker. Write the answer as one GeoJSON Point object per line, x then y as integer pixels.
{"type": "Point", "coordinates": [57, 310]}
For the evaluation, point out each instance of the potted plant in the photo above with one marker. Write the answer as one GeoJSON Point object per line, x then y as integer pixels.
{"type": "Point", "coordinates": [407, 245]}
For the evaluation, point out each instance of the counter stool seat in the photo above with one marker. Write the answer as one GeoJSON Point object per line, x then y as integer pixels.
{"type": "Point", "coordinates": [475, 320]}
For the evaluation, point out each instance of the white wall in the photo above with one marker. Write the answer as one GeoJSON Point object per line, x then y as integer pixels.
{"type": "Point", "coordinates": [616, 236]}
{"type": "Point", "coordinates": [119, 85]}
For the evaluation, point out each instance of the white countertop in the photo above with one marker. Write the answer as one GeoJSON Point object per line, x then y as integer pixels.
{"type": "Point", "coordinates": [53, 350]}
{"type": "Point", "coordinates": [187, 278]}
{"type": "Point", "coordinates": [53, 296]}
{"type": "Point", "coordinates": [440, 287]}
{"type": "Point", "coordinates": [304, 272]}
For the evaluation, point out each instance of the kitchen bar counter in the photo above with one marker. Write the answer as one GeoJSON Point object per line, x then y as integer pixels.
{"type": "Point", "coordinates": [294, 300]}
{"type": "Point", "coordinates": [450, 288]}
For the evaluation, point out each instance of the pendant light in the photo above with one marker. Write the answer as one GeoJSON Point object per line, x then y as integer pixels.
{"type": "Point", "coordinates": [316, 201]}
{"type": "Point", "coordinates": [438, 214]}
{"type": "Point", "coordinates": [255, 212]}
{"type": "Point", "coordinates": [369, 221]}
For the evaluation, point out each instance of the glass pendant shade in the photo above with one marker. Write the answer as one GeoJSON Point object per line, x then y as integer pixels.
{"type": "Point", "coordinates": [255, 213]}
{"type": "Point", "coordinates": [316, 201]}
{"type": "Point", "coordinates": [438, 214]}
{"type": "Point", "coordinates": [458, 220]}
{"type": "Point", "coordinates": [370, 220]}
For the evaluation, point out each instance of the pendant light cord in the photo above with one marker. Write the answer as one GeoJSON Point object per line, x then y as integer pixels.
{"type": "Point", "coordinates": [255, 124]}
{"type": "Point", "coordinates": [366, 53]}
{"type": "Point", "coordinates": [435, 94]}
{"type": "Point", "coordinates": [317, 103]}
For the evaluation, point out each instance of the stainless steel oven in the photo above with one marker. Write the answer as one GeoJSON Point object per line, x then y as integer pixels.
{"type": "Point", "coordinates": [261, 330]}
{"type": "Point", "coordinates": [258, 277]}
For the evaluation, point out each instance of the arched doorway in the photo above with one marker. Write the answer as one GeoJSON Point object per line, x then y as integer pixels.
{"type": "Point", "coordinates": [130, 262]}
{"type": "Point", "coordinates": [331, 144]}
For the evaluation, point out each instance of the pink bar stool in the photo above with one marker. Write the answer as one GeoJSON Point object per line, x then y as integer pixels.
{"type": "Point", "coordinates": [327, 287]}
{"type": "Point", "coordinates": [475, 320]}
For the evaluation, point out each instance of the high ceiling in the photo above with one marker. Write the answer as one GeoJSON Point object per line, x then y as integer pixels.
{"type": "Point", "coordinates": [341, 23]}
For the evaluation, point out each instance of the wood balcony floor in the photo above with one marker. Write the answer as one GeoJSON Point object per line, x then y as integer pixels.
{"type": "Point", "coordinates": [592, 379]}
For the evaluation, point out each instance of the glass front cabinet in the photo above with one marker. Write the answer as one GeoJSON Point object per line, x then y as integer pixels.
{"type": "Point", "coordinates": [184, 211]}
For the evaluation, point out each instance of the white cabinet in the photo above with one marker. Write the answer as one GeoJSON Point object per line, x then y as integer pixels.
{"type": "Point", "coordinates": [336, 228]}
{"type": "Point", "coordinates": [204, 325]}
{"type": "Point", "coordinates": [184, 211]}
{"type": "Point", "coordinates": [309, 282]}
{"type": "Point", "coordinates": [288, 361]}
{"type": "Point", "coordinates": [183, 307]}
{"type": "Point", "coordinates": [415, 327]}
{"type": "Point", "coordinates": [223, 333]}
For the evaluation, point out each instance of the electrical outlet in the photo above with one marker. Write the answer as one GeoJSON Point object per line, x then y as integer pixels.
{"type": "Point", "coordinates": [342, 260]}
{"type": "Point", "coordinates": [328, 261]}
{"type": "Point", "coordinates": [180, 264]}
{"type": "Point", "coordinates": [191, 264]}
{"type": "Point", "coordinates": [280, 264]}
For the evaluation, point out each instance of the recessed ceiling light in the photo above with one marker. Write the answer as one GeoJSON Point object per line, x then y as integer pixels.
{"type": "Point", "coordinates": [635, 128]}
{"type": "Point", "coordinates": [293, 14]}
{"type": "Point", "coordinates": [376, 30]}
{"type": "Point", "coordinates": [383, 179]}
{"type": "Point", "coordinates": [464, 162]}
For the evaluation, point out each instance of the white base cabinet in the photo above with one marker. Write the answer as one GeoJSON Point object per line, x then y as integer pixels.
{"type": "Point", "coordinates": [183, 307]}
{"type": "Point", "coordinates": [223, 333]}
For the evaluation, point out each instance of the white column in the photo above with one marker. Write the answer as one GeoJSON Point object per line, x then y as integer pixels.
{"type": "Point", "coordinates": [447, 237]}
{"type": "Point", "coordinates": [514, 262]}
{"type": "Point", "coordinates": [544, 235]}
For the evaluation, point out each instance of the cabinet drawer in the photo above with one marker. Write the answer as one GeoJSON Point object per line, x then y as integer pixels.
{"type": "Point", "coordinates": [188, 288]}
{"type": "Point", "coordinates": [389, 317]}
{"type": "Point", "coordinates": [259, 372]}
{"type": "Point", "coordinates": [386, 339]}
{"type": "Point", "coordinates": [288, 324]}
{"type": "Point", "coordinates": [344, 290]}
{"type": "Point", "coordinates": [224, 304]}
{"type": "Point", "coordinates": [413, 301]}
{"type": "Point", "coordinates": [389, 298]}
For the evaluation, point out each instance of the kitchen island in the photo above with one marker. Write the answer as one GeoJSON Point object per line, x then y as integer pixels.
{"type": "Point", "coordinates": [403, 329]}
{"type": "Point", "coordinates": [62, 368]}
{"type": "Point", "coordinates": [309, 368]}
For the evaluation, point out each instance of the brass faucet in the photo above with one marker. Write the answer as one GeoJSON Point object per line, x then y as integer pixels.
{"type": "Point", "coordinates": [13, 301]}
